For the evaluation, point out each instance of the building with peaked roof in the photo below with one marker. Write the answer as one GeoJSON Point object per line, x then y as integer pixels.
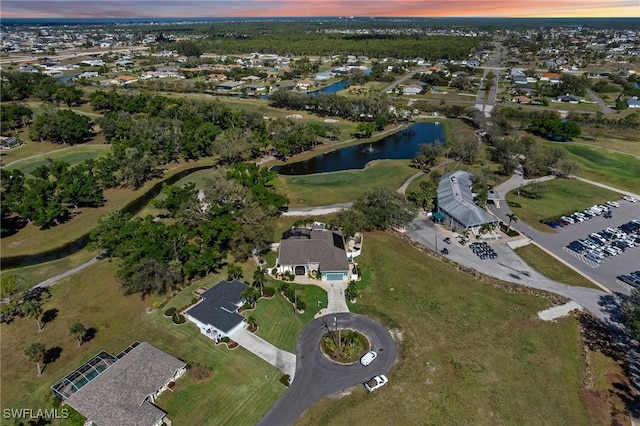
{"type": "Point", "coordinates": [303, 250]}
{"type": "Point", "coordinates": [121, 390]}
{"type": "Point", "coordinates": [456, 203]}
{"type": "Point", "coordinates": [216, 314]}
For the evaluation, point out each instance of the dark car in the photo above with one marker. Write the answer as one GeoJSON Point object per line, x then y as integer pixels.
{"type": "Point", "coordinates": [444, 251]}
{"type": "Point", "coordinates": [447, 240]}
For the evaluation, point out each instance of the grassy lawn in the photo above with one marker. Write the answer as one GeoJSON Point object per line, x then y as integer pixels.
{"type": "Point", "coordinates": [339, 187]}
{"type": "Point", "coordinates": [563, 196]}
{"type": "Point", "coordinates": [277, 322]}
{"type": "Point", "coordinates": [93, 298]}
{"type": "Point", "coordinates": [470, 353]}
{"type": "Point", "coordinates": [551, 267]}
{"type": "Point", "coordinates": [615, 169]}
{"type": "Point", "coordinates": [71, 155]}
{"type": "Point", "coordinates": [617, 140]}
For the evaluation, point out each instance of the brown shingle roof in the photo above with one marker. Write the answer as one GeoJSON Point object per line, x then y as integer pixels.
{"type": "Point", "coordinates": [118, 396]}
{"type": "Point", "coordinates": [324, 247]}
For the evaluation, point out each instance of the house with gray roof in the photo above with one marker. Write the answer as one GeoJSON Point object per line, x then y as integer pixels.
{"type": "Point", "coordinates": [456, 205]}
{"type": "Point", "coordinates": [216, 314]}
{"type": "Point", "coordinates": [303, 250]}
{"type": "Point", "coordinates": [123, 394]}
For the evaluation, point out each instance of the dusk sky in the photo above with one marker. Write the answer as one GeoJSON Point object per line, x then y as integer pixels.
{"type": "Point", "coordinates": [260, 8]}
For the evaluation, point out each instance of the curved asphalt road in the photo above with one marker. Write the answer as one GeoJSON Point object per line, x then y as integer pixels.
{"type": "Point", "coordinates": [317, 377]}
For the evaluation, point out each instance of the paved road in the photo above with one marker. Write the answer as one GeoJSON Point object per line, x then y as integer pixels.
{"type": "Point", "coordinates": [316, 211]}
{"type": "Point", "coordinates": [281, 359]}
{"type": "Point", "coordinates": [51, 281]}
{"type": "Point", "coordinates": [603, 106]}
{"type": "Point", "coordinates": [317, 377]}
{"type": "Point", "coordinates": [402, 79]}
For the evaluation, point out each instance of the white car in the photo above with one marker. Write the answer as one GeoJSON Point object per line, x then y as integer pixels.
{"type": "Point", "coordinates": [613, 204]}
{"type": "Point", "coordinates": [376, 383]}
{"type": "Point", "coordinates": [368, 358]}
{"type": "Point", "coordinates": [629, 198]}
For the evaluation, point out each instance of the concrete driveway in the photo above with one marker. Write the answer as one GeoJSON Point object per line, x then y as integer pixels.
{"type": "Point", "coordinates": [282, 360]}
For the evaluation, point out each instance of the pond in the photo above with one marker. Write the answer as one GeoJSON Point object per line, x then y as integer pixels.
{"type": "Point", "coordinates": [402, 145]}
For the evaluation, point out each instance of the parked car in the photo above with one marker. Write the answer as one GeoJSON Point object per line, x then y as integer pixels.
{"type": "Point", "coordinates": [629, 198]}
{"type": "Point", "coordinates": [613, 204]}
{"type": "Point", "coordinates": [376, 383]}
{"type": "Point", "coordinates": [368, 358]}
{"type": "Point", "coordinates": [447, 240]}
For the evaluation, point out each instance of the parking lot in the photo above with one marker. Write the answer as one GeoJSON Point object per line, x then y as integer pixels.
{"type": "Point", "coordinates": [606, 271]}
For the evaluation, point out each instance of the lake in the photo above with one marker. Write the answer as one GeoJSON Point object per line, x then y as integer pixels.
{"type": "Point", "coordinates": [402, 145]}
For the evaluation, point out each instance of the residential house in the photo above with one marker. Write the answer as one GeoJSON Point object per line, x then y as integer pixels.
{"type": "Point", "coordinates": [569, 99]}
{"type": "Point", "coordinates": [125, 79]}
{"type": "Point", "coordinates": [10, 142]}
{"type": "Point", "coordinates": [633, 103]}
{"type": "Point", "coordinates": [304, 250]}
{"type": "Point", "coordinates": [412, 89]}
{"type": "Point", "coordinates": [88, 74]}
{"type": "Point", "coordinates": [522, 99]}
{"type": "Point", "coordinates": [215, 78]}
{"type": "Point", "coordinates": [551, 77]}
{"type": "Point", "coordinates": [323, 76]}
{"type": "Point", "coordinates": [305, 84]}
{"type": "Point", "coordinates": [216, 314]}
{"type": "Point", "coordinates": [230, 85]}
{"type": "Point", "coordinates": [121, 390]}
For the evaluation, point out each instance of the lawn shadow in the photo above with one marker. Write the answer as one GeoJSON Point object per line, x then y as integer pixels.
{"type": "Point", "coordinates": [89, 335]}
{"type": "Point", "coordinates": [40, 421]}
{"type": "Point", "coordinates": [51, 355]}
{"type": "Point", "coordinates": [48, 316]}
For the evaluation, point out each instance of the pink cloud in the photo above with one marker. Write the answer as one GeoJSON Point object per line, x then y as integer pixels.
{"type": "Point", "coordinates": [249, 8]}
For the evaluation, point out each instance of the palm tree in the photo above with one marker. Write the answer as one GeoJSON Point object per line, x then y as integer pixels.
{"type": "Point", "coordinates": [234, 271]}
{"type": "Point", "coordinates": [512, 218]}
{"type": "Point", "coordinates": [35, 353]}
{"type": "Point", "coordinates": [259, 278]}
{"type": "Point", "coordinates": [253, 324]}
{"type": "Point", "coordinates": [78, 331]}
{"type": "Point", "coordinates": [33, 309]}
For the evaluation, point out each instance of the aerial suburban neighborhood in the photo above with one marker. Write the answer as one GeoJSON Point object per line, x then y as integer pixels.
{"type": "Point", "coordinates": [277, 220]}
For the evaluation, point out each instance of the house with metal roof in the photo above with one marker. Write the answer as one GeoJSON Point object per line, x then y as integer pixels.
{"type": "Point", "coordinates": [121, 390]}
{"type": "Point", "coordinates": [456, 205]}
{"type": "Point", "coordinates": [303, 250]}
{"type": "Point", "coordinates": [216, 314]}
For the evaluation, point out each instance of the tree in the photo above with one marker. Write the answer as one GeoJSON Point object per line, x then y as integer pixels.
{"type": "Point", "coordinates": [259, 278]}
{"type": "Point", "coordinates": [383, 208]}
{"type": "Point", "coordinates": [148, 276]}
{"type": "Point", "coordinates": [11, 287]}
{"type": "Point", "coordinates": [35, 353]}
{"type": "Point", "coordinates": [78, 331]}
{"type": "Point", "coordinates": [188, 48]}
{"type": "Point", "coordinates": [512, 218]}
{"type": "Point", "coordinates": [234, 271]}
{"type": "Point", "coordinates": [631, 312]}
{"type": "Point", "coordinates": [32, 308]}
{"type": "Point", "coordinates": [253, 324]}
{"type": "Point", "coordinates": [250, 295]}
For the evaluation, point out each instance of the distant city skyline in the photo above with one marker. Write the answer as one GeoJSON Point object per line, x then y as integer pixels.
{"type": "Point", "coordinates": [309, 8]}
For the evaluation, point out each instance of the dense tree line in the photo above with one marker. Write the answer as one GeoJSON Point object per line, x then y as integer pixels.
{"type": "Point", "coordinates": [17, 86]}
{"type": "Point", "coordinates": [45, 198]}
{"type": "Point", "coordinates": [14, 116]}
{"type": "Point", "coordinates": [233, 214]}
{"type": "Point", "coordinates": [61, 126]}
{"type": "Point", "coordinates": [554, 129]}
{"type": "Point", "coordinates": [355, 109]}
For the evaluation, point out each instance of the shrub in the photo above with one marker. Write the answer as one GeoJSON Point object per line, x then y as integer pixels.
{"type": "Point", "coordinates": [300, 305]}
{"type": "Point", "coordinates": [283, 287]}
{"type": "Point", "coordinates": [352, 291]}
{"type": "Point", "coordinates": [178, 318]}
{"type": "Point", "coordinates": [169, 312]}
{"type": "Point", "coordinates": [289, 294]}
{"type": "Point", "coordinates": [225, 339]}
{"type": "Point", "coordinates": [274, 271]}
{"type": "Point", "coordinates": [285, 380]}
{"type": "Point", "coordinates": [268, 291]}
{"type": "Point", "coordinates": [194, 300]}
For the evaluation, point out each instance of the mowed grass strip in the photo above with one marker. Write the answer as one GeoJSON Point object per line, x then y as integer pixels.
{"type": "Point", "coordinates": [551, 268]}
{"type": "Point", "coordinates": [73, 155]}
{"type": "Point", "coordinates": [93, 297]}
{"type": "Point", "coordinates": [340, 187]}
{"type": "Point", "coordinates": [469, 353]}
{"type": "Point", "coordinates": [278, 322]}
{"type": "Point", "coordinates": [618, 170]}
{"type": "Point", "coordinates": [561, 197]}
